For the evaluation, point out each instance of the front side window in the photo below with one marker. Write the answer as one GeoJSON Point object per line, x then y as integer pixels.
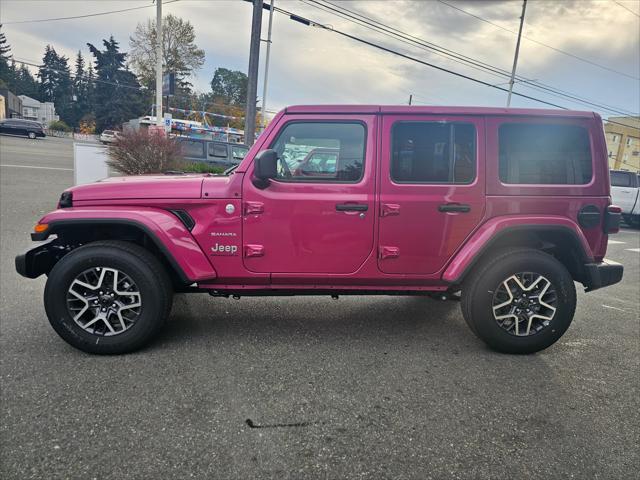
{"type": "Point", "coordinates": [192, 149]}
{"type": "Point", "coordinates": [321, 151]}
{"type": "Point", "coordinates": [544, 154]}
{"type": "Point", "coordinates": [218, 150]}
{"type": "Point", "coordinates": [433, 152]}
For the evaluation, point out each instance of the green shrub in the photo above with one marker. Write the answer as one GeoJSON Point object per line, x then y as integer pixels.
{"type": "Point", "coordinates": [199, 167]}
{"type": "Point", "coordinates": [60, 126]}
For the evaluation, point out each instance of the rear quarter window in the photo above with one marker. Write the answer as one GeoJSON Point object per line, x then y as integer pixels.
{"type": "Point", "coordinates": [544, 154]}
{"type": "Point", "coordinates": [621, 179]}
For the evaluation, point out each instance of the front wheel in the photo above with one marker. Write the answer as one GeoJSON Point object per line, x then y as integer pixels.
{"type": "Point", "coordinates": [522, 301]}
{"type": "Point", "coordinates": [32, 135]}
{"type": "Point", "coordinates": [108, 297]}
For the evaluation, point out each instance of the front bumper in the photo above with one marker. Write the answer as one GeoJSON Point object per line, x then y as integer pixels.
{"type": "Point", "coordinates": [598, 275]}
{"type": "Point", "coordinates": [38, 260]}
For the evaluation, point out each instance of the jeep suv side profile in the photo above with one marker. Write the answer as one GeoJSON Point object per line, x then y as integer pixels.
{"type": "Point", "coordinates": [507, 207]}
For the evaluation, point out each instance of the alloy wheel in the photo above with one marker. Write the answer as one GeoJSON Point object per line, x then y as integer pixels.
{"type": "Point", "coordinates": [524, 304]}
{"type": "Point", "coordinates": [104, 301]}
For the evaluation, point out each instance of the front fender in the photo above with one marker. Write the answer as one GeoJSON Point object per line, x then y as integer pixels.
{"type": "Point", "coordinates": [167, 232]}
{"type": "Point", "coordinates": [493, 229]}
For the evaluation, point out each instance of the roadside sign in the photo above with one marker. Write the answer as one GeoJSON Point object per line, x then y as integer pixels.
{"type": "Point", "coordinates": [167, 122]}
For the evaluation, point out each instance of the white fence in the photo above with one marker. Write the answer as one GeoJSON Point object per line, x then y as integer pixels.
{"type": "Point", "coordinates": [75, 136]}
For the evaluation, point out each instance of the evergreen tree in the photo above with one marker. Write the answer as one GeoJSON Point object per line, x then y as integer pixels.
{"type": "Point", "coordinates": [80, 84]}
{"type": "Point", "coordinates": [118, 96]}
{"type": "Point", "coordinates": [47, 74]}
{"type": "Point", "coordinates": [90, 89]}
{"type": "Point", "coordinates": [25, 83]}
{"type": "Point", "coordinates": [6, 75]}
{"type": "Point", "coordinates": [55, 83]}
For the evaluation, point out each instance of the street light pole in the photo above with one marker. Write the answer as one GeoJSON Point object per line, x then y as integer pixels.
{"type": "Point", "coordinates": [252, 87]}
{"type": "Point", "coordinates": [159, 120]}
{"type": "Point", "coordinates": [515, 58]}
{"type": "Point", "coordinates": [263, 112]}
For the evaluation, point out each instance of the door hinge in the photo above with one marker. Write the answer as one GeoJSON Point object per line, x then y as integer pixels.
{"type": "Point", "coordinates": [253, 208]}
{"type": "Point", "coordinates": [254, 250]}
{"type": "Point", "coordinates": [389, 252]}
{"type": "Point", "coordinates": [389, 209]}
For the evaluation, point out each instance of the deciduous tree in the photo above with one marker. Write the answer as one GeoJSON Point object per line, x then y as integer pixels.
{"type": "Point", "coordinates": [229, 86]}
{"type": "Point", "coordinates": [180, 54]}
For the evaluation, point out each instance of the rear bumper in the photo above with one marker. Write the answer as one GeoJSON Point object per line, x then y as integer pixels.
{"type": "Point", "coordinates": [598, 275]}
{"type": "Point", "coordinates": [38, 260]}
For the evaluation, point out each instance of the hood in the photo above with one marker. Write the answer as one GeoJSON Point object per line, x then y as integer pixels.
{"type": "Point", "coordinates": [141, 187]}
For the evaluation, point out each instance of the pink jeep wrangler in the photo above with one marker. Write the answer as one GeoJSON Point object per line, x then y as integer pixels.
{"type": "Point", "coordinates": [507, 207]}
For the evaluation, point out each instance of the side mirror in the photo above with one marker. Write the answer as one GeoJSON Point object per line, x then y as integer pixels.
{"type": "Point", "coordinates": [265, 168]}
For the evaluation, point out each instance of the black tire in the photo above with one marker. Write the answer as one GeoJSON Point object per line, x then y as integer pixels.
{"type": "Point", "coordinates": [31, 135]}
{"type": "Point", "coordinates": [478, 296]}
{"type": "Point", "coordinates": [142, 267]}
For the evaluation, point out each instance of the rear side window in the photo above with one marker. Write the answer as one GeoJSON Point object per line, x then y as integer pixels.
{"type": "Point", "coordinates": [621, 179]}
{"type": "Point", "coordinates": [192, 149]}
{"type": "Point", "coordinates": [430, 152]}
{"type": "Point", "coordinates": [321, 152]}
{"type": "Point", "coordinates": [218, 150]}
{"type": "Point", "coordinates": [544, 154]}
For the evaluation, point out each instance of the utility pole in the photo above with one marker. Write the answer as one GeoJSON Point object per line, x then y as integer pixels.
{"type": "Point", "coordinates": [263, 111]}
{"type": "Point", "coordinates": [159, 120]}
{"type": "Point", "coordinates": [515, 58]}
{"type": "Point", "coordinates": [410, 98]}
{"type": "Point", "coordinates": [254, 62]}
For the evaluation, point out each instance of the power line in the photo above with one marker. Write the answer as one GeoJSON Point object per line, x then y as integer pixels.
{"type": "Point", "coordinates": [312, 23]}
{"type": "Point", "coordinates": [385, 29]}
{"type": "Point", "coordinates": [626, 8]}
{"type": "Point", "coordinates": [564, 52]}
{"type": "Point", "coordinates": [83, 16]}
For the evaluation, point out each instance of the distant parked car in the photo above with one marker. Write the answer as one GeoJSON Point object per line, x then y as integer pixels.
{"type": "Point", "coordinates": [109, 136]}
{"type": "Point", "coordinates": [625, 193]}
{"type": "Point", "coordinates": [18, 126]}
{"type": "Point", "coordinates": [212, 152]}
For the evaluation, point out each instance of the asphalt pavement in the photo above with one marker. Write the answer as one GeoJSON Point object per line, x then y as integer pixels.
{"type": "Point", "coordinates": [291, 388]}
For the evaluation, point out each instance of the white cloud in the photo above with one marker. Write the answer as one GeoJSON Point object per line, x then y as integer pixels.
{"type": "Point", "coordinates": [314, 66]}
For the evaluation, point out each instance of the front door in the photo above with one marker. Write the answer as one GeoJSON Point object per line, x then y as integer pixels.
{"type": "Point", "coordinates": [317, 216]}
{"type": "Point", "coordinates": [431, 189]}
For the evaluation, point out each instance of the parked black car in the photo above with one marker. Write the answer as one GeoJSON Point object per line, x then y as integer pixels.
{"type": "Point", "coordinates": [17, 126]}
{"type": "Point", "coordinates": [212, 152]}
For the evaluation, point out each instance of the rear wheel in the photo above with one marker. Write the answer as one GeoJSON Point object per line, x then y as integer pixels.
{"type": "Point", "coordinates": [108, 297]}
{"type": "Point", "coordinates": [520, 302]}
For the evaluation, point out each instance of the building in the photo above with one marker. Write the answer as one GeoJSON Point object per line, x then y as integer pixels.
{"type": "Point", "coordinates": [43, 112]}
{"type": "Point", "coordinates": [12, 104]}
{"type": "Point", "coordinates": [623, 143]}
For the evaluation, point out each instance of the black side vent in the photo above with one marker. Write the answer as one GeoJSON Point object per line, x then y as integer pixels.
{"type": "Point", "coordinates": [66, 200]}
{"type": "Point", "coordinates": [185, 218]}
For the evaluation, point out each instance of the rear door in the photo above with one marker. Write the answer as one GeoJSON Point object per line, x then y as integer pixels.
{"type": "Point", "coordinates": [431, 189]}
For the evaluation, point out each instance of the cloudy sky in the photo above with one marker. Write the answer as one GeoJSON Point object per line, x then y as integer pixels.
{"type": "Point", "coordinates": [311, 65]}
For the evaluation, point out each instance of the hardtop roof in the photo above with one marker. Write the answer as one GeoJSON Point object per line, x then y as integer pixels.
{"type": "Point", "coordinates": [436, 110]}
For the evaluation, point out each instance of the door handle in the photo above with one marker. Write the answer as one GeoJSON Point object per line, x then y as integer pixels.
{"type": "Point", "coordinates": [454, 207]}
{"type": "Point", "coordinates": [352, 207]}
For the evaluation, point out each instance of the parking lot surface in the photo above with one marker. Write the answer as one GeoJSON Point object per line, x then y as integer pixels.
{"type": "Point", "coordinates": [289, 388]}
